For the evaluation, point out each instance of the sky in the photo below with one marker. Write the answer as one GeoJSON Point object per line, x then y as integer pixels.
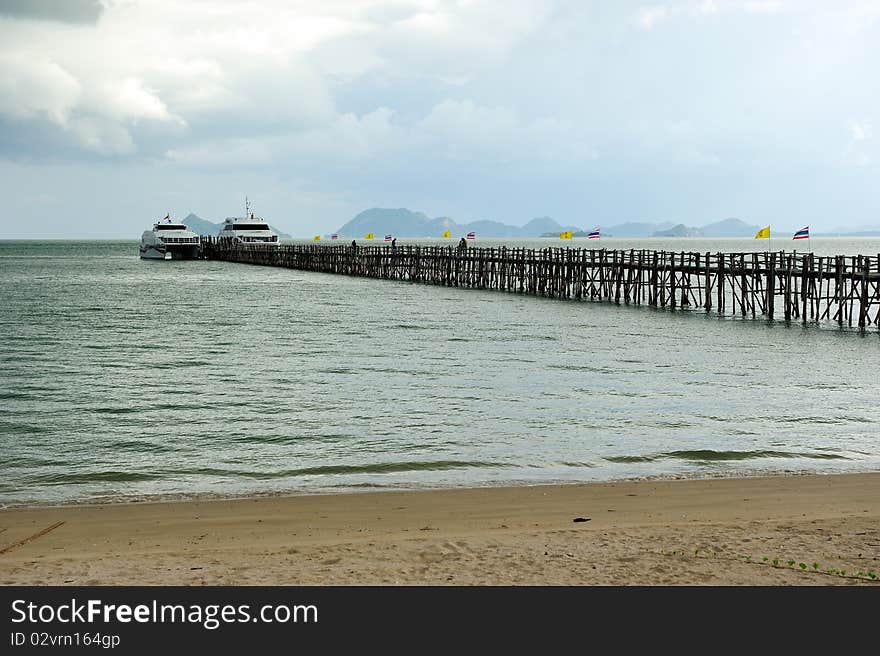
{"type": "Point", "coordinates": [116, 112]}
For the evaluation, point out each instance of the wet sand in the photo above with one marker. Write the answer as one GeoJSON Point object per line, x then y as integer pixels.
{"type": "Point", "coordinates": [778, 531]}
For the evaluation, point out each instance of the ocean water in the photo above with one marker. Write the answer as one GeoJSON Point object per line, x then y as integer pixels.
{"type": "Point", "coordinates": [122, 379]}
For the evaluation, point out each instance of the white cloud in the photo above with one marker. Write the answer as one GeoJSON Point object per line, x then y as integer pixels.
{"type": "Point", "coordinates": [462, 129]}
{"type": "Point", "coordinates": [348, 138]}
{"type": "Point", "coordinates": [648, 17]}
{"type": "Point", "coordinates": [128, 99]}
{"type": "Point", "coordinates": [710, 7]}
{"type": "Point", "coordinates": [370, 136]}
{"type": "Point", "coordinates": [455, 121]}
{"type": "Point", "coordinates": [707, 7]}
{"type": "Point", "coordinates": [861, 149]}
{"type": "Point", "coordinates": [452, 42]}
{"type": "Point", "coordinates": [36, 87]}
{"type": "Point", "coordinates": [217, 71]}
{"type": "Point", "coordinates": [762, 6]}
{"type": "Point", "coordinates": [456, 130]}
{"type": "Point", "coordinates": [100, 136]}
{"type": "Point", "coordinates": [223, 154]}
{"type": "Point", "coordinates": [860, 130]}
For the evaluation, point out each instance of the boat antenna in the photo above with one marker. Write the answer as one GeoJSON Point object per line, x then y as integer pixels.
{"type": "Point", "coordinates": [247, 208]}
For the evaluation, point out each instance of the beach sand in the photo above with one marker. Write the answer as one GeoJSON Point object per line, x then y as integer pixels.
{"type": "Point", "coordinates": [704, 532]}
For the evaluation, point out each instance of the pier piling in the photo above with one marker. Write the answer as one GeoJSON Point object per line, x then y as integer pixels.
{"type": "Point", "coordinates": [810, 288]}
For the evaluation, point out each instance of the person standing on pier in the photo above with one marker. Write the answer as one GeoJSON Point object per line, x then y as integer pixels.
{"type": "Point", "coordinates": [462, 245]}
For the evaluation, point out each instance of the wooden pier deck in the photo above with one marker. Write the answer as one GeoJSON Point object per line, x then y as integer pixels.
{"type": "Point", "coordinates": [772, 285]}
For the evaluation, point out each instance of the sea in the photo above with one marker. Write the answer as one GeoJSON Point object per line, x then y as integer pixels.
{"type": "Point", "coordinates": [125, 380]}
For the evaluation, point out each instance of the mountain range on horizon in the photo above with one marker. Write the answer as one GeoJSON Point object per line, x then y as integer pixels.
{"type": "Point", "coordinates": [405, 223]}
{"type": "Point", "coordinates": [402, 222]}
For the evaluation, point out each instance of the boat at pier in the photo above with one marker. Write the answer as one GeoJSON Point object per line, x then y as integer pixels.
{"type": "Point", "coordinates": [169, 240]}
{"type": "Point", "coordinates": [251, 229]}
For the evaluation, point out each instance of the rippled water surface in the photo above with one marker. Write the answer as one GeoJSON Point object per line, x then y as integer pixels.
{"type": "Point", "coordinates": [125, 378]}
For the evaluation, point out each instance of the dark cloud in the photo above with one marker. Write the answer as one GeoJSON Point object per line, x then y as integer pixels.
{"type": "Point", "coordinates": [63, 11]}
{"type": "Point", "coordinates": [37, 141]}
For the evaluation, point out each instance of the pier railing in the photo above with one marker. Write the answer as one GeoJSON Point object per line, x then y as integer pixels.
{"type": "Point", "coordinates": [774, 285]}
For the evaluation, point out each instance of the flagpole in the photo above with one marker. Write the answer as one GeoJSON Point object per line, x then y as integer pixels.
{"type": "Point", "coordinates": [769, 260]}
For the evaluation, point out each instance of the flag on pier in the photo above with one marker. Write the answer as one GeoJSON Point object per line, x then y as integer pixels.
{"type": "Point", "coordinates": [763, 233]}
{"type": "Point", "coordinates": [593, 234]}
{"type": "Point", "coordinates": [334, 236]}
{"type": "Point", "coordinates": [317, 237]}
{"type": "Point", "coordinates": [472, 235]}
{"type": "Point", "coordinates": [803, 233]}
{"type": "Point", "coordinates": [447, 234]}
{"type": "Point", "coordinates": [565, 235]}
{"type": "Point", "coordinates": [388, 237]}
{"type": "Point", "coordinates": [369, 235]}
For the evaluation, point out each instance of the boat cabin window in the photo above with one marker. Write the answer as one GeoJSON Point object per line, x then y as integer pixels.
{"type": "Point", "coordinates": [251, 226]}
{"type": "Point", "coordinates": [170, 226]}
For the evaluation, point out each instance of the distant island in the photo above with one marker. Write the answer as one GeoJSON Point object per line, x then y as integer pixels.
{"type": "Point", "coordinates": [725, 228]}
{"type": "Point", "coordinates": [405, 223]}
{"type": "Point", "coordinates": [402, 222]}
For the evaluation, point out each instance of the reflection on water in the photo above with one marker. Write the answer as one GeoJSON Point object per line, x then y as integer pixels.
{"type": "Point", "coordinates": [123, 377]}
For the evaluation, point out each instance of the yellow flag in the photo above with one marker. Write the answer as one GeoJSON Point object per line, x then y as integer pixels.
{"type": "Point", "coordinates": [317, 237]}
{"type": "Point", "coordinates": [763, 233]}
{"type": "Point", "coordinates": [565, 235]}
{"type": "Point", "coordinates": [446, 234]}
{"type": "Point", "coordinates": [369, 235]}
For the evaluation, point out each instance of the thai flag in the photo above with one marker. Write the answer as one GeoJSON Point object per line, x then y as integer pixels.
{"type": "Point", "coordinates": [803, 233]}
{"type": "Point", "coordinates": [388, 237]}
{"type": "Point", "coordinates": [593, 234]}
{"type": "Point", "coordinates": [334, 236]}
{"type": "Point", "coordinates": [472, 235]}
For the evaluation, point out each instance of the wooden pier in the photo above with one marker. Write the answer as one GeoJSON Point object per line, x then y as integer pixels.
{"type": "Point", "coordinates": [774, 285]}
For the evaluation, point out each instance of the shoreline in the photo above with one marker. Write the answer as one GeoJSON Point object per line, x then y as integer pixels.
{"type": "Point", "coordinates": [205, 497]}
{"type": "Point", "coordinates": [724, 531]}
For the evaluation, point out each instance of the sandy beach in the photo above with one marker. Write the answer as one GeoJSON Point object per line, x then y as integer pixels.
{"type": "Point", "coordinates": [797, 530]}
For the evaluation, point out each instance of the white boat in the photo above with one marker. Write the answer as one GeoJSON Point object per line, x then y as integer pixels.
{"type": "Point", "coordinates": [251, 229]}
{"type": "Point", "coordinates": [169, 240]}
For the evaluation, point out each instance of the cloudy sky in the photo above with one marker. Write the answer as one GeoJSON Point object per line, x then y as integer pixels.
{"type": "Point", "coordinates": [113, 113]}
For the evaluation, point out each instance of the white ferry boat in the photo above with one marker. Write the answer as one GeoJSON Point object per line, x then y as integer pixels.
{"type": "Point", "coordinates": [169, 240]}
{"type": "Point", "coordinates": [251, 229]}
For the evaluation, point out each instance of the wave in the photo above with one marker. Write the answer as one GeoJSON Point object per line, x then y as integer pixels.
{"type": "Point", "coordinates": [93, 477]}
{"type": "Point", "coordinates": [709, 455]}
{"type": "Point", "coordinates": [329, 470]}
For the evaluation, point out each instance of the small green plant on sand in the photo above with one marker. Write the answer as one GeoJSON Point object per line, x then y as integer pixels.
{"type": "Point", "coordinates": [775, 562]}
